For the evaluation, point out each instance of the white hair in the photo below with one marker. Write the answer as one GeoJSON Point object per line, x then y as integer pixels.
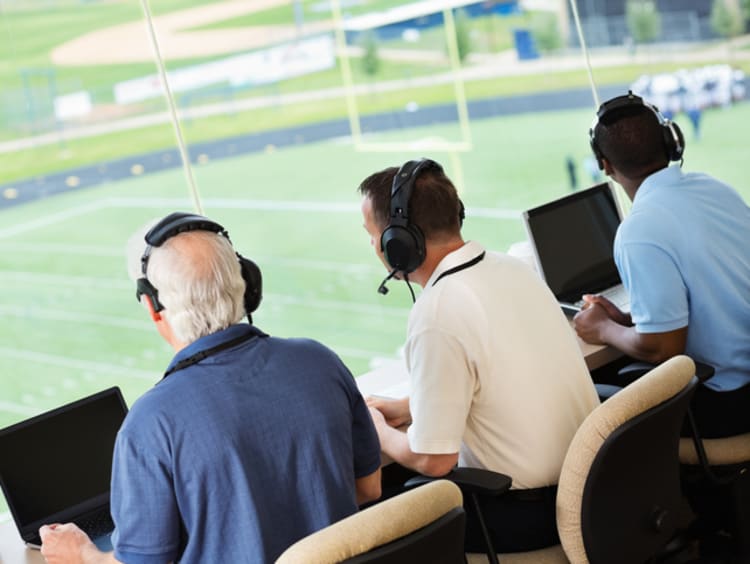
{"type": "Point", "coordinates": [198, 278]}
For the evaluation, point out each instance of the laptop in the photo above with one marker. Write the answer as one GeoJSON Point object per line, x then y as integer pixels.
{"type": "Point", "coordinates": [56, 467]}
{"type": "Point", "coordinates": [572, 239]}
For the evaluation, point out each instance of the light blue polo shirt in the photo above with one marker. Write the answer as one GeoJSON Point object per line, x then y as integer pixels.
{"type": "Point", "coordinates": [684, 257]}
{"type": "Point", "coordinates": [235, 458]}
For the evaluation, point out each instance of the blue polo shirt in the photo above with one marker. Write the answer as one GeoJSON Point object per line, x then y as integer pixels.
{"type": "Point", "coordinates": [238, 456]}
{"type": "Point", "coordinates": [684, 255]}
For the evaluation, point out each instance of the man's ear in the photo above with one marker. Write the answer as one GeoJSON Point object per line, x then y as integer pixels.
{"type": "Point", "coordinates": [155, 315]}
{"type": "Point", "coordinates": [608, 170]}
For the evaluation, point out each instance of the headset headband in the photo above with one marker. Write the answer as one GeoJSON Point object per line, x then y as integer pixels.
{"type": "Point", "coordinates": [674, 142]}
{"type": "Point", "coordinates": [403, 186]}
{"type": "Point", "coordinates": [181, 222]}
{"type": "Point", "coordinates": [174, 224]}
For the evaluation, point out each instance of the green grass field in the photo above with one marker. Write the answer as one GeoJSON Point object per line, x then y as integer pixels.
{"type": "Point", "coordinates": [71, 323]}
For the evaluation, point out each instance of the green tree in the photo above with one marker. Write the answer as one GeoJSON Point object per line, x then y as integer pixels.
{"type": "Point", "coordinates": [545, 31]}
{"type": "Point", "coordinates": [643, 20]}
{"type": "Point", "coordinates": [726, 18]}
{"type": "Point", "coordinates": [370, 58]}
{"type": "Point", "coordinates": [746, 9]}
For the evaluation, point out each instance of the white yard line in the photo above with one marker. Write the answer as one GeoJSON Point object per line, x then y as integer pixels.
{"type": "Point", "coordinates": [63, 248]}
{"type": "Point", "coordinates": [327, 305]}
{"type": "Point", "coordinates": [18, 409]}
{"type": "Point", "coordinates": [68, 362]}
{"type": "Point", "coordinates": [37, 313]}
{"type": "Point", "coordinates": [67, 280]}
{"type": "Point", "coordinates": [51, 219]}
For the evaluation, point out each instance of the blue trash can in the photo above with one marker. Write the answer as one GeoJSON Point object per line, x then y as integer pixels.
{"type": "Point", "coordinates": [525, 45]}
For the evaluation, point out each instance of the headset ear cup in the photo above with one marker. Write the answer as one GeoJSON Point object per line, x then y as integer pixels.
{"type": "Point", "coordinates": [253, 284]}
{"type": "Point", "coordinates": [403, 247]}
{"type": "Point", "coordinates": [677, 147]}
{"type": "Point", "coordinates": [145, 288]}
{"type": "Point", "coordinates": [595, 149]}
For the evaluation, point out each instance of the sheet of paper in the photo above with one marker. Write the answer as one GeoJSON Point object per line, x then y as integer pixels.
{"type": "Point", "coordinates": [390, 379]}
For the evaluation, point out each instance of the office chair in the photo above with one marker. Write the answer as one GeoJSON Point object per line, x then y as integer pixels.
{"type": "Point", "coordinates": [422, 525]}
{"type": "Point", "coordinates": [716, 477]}
{"type": "Point", "coordinates": [619, 498]}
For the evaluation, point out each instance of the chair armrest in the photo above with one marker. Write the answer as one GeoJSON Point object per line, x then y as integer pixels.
{"type": "Point", "coordinates": [473, 483]}
{"type": "Point", "coordinates": [635, 370]}
{"type": "Point", "coordinates": [704, 371]}
{"type": "Point", "coordinates": [470, 480]}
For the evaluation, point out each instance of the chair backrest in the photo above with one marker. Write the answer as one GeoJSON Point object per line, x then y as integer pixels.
{"type": "Point", "coordinates": [619, 491]}
{"type": "Point", "coordinates": [425, 524]}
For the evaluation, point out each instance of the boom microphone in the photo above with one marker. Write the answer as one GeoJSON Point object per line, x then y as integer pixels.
{"type": "Point", "coordinates": [382, 289]}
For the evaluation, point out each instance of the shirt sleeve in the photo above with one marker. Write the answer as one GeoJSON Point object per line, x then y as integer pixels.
{"type": "Point", "coordinates": [442, 388]}
{"type": "Point", "coordinates": [143, 505]}
{"type": "Point", "coordinates": [658, 295]}
{"type": "Point", "coordinates": [365, 442]}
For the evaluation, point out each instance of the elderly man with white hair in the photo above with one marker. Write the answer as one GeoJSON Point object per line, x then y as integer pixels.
{"type": "Point", "coordinates": [248, 443]}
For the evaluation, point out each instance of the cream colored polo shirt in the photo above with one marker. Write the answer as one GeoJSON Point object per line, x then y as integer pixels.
{"type": "Point", "coordinates": [495, 371]}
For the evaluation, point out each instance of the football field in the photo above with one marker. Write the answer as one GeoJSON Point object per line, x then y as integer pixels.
{"type": "Point", "coordinates": [71, 325]}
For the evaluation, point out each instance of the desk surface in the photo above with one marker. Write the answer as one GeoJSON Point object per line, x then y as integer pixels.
{"type": "Point", "coordinates": [391, 380]}
{"type": "Point", "coordinates": [12, 549]}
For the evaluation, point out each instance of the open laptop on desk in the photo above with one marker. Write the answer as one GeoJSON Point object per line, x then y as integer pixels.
{"type": "Point", "coordinates": [56, 467]}
{"type": "Point", "coordinates": [572, 238]}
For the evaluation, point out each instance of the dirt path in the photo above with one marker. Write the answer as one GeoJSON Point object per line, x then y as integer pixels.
{"type": "Point", "coordinates": [129, 43]}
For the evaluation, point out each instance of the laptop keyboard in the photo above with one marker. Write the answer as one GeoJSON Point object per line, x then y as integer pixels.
{"type": "Point", "coordinates": [616, 294]}
{"type": "Point", "coordinates": [96, 524]}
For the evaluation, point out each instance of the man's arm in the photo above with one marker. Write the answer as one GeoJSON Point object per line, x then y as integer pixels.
{"type": "Point", "coordinates": [594, 325]}
{"type": "Point", "coordinates": [395, 444]}
{"type": "Point", "coordinates": [67, 544]}
{"type": "Point", "coordinates": [368, 487]}
{"type": "Point", "coordinates": [395, 411]}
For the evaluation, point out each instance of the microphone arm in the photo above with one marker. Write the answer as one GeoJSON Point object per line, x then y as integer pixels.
{"type": "Point", "coordinates": [382, 288]}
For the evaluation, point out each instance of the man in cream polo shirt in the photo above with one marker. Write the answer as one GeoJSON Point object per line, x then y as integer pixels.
{"type": "Point", "coordinates": [496, 376]}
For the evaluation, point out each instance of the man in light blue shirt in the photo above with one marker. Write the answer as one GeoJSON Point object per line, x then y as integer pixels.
{"type": "Point", "coordinates": [683, 254]}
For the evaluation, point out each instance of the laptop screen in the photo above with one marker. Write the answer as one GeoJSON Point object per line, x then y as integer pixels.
{"type": "Point", "coordinates": [573, 238]}
{"type": "Point", "coordinates": [61, 460]}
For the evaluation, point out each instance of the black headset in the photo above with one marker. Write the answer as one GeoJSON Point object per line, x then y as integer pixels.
{"type": "Point", "coordinates": [180, 222]}
{"type": "Point", "coordinates": [674, 140]}
{"type": "Point", "coordinates": [402, 242]}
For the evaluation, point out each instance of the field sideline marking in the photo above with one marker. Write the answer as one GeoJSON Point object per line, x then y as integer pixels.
{"type": "Point", "coordinates": [285, 205]}
{"type": "Point", "coordinates": [102, 251]}
{"type": "Point", "coordinates": [219, 203]}
{"type": "Point", "coordinates": [273, 299]}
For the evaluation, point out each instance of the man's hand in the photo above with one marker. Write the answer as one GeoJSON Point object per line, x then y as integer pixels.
{"type": "Point", "coordinates": [589, 324]}
{"type": "Point", "coordinates": [65, 544]}
{"type": "Point", "coordinates": [613, 312]}
{"type": "Point", "coordinates": [601, 323]}
{"type": "Point", "coordinates": [393, 412]}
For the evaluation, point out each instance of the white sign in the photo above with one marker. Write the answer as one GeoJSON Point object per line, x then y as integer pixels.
{"type": "Point", "coordinates": [72, 106]}
{"type": "Point", "coordinates": [260, 67]}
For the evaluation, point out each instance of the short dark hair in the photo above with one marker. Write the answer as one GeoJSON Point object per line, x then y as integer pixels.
{"type": "Point", "coordinates": [434, 205]}
{"type": "Point", "coordinates": [632, 140]}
